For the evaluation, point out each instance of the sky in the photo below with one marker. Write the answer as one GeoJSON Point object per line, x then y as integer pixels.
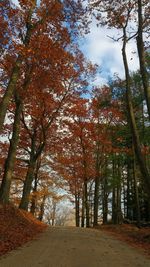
{"type": "Point", "coordinates": [105, 52]}
{"type": "Point", "coordinates": [101, 49]}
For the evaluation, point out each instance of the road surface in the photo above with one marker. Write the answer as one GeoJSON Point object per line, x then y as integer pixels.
{"type": "Point", "coordinates": [75, 247]}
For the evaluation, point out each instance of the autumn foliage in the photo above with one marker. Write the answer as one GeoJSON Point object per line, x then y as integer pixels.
{"type": "Point", "coordinates": [60, 135]}
{"type": "Point", "coordinates": [16, 228]}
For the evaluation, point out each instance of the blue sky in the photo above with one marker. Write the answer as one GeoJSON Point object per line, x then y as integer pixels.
{"type": "Point", "coordinates": [100, 49]}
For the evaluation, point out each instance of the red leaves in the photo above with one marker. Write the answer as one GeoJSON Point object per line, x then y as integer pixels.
{"type": "Point", "coordinates": [16, 228]}
{"type": "Point", "coordinates": [134, 236]}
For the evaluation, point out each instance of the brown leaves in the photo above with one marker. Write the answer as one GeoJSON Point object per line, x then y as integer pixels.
{"type": "Point", "coordinates": [131, 234]}
{"type": "Point", "coordinates": [16, 228]}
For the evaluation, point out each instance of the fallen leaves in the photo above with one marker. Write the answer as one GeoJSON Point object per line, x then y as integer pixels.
{"type": "Point", "coordinates": [134, 236]}
{"type": "Point", "coordinates": [16, 228]}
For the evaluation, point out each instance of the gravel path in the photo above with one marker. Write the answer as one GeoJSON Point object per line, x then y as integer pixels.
{"type": "Point", "coordinates": [75, 247]}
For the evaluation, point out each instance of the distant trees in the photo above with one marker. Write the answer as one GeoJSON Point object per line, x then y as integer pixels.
{"type": "Point", "coordinates": [113, 188]}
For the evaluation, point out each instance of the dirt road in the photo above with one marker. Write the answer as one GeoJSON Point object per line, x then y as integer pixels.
{"type": "Point", "coordinates": [73, 247]}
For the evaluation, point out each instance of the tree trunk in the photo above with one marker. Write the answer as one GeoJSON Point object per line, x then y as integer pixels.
{"type": "Point", "coordinates": [141, 53]}
{"type": "Point", "coordinates": [97, 178]}
{"type": "Point", "coordinates": [96, 199]}
{"type": "Point", "coordinates": [138, 214]}
{"type": "Point", "coordinates": [77, 210]}
{"type": "Point", "coordinates": [42, 208]}
{"type": "Point", "coordinates": [27, 185]}
{"type": "Point", "coordinates": [131, 117]}
{"type": "Point", "coordinates": [129, 191]}
{"type": "Point", "coordinates": [10, 161]}
{"type": "Point", "coordinates": [83, 209]}
{"type": "Point", "coordinates": [119, 211]}
{"type": "Point", "coordinates": [105, 201]}
{"type": "Point", "coordinates": [86, 205]}
{"type": "Point", "coordinates": [116, 200]}
{"type": "Point", "coordinates": [54, 213]}
{"type": "Point", "coordinates": [114, 194]}
{"type": "Point", "coordinates": [15, 72]}
{"type": "Point", "coordinates": [114, 206]}
{"type": "Point", "coordinates": [34, 197]}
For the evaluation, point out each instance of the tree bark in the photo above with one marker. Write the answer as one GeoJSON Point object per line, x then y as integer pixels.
{"type": "Point", "coordinates": [34, 197]}
{"type": "Point", "coordinates": [131, 117]}
{"type": "Point", "coordinates": [54, 213]}
{"type": "Point", "coordinates": [141, 53]}
{"type": "Point", "coordinates": [105, 201]}
{"type": "Point", "coordinates": [15, 72]}
{"type": "Point", "coordinates": [119, 211]}
{"type": "Point", "coordinates": [27, 185]}
{"type": "Point", "coordinates": [86, 205]}
{"type": "Point", "coordinates": [96, 199]}
{"type": "Point", "coordinates": [97, 179]}
{"type": "Point", "coordinates": [129, 191]}
{"type": "Point", "coordinates": [83, 209]}
{"type": "Point", "coordinates": [42, 208]}
{"type": "Point", "coordinates": [10, 161]}
{"type": "Point", "coordinates": [85, 190]}
{"type": "Point", "coordinates": [138, 213]}
{"type": "Point", "coordinates": [77, 210]}
{"type": "Point", "coordinates": [34, 156]}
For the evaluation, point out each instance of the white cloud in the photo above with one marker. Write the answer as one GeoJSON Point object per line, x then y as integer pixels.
{"type": "Point", "coordinates": [101, 49]}
{"type": "Point", "coordinates": [15, 2]}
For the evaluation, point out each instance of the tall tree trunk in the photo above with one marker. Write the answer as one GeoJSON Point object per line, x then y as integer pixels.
{"type": "Point", "coordinates": [34, 197]}
{"type": "Point", "coordinates": [54, 213]}
{"type": "Point", "coordinates": [96, 199]}
{"type": "Point", "coordinates": [27, 185]}
{"type": "Point", "coordinates": [10, 161]}
{"type": "Point", "coordinates": [97, 178]}
{"type": "Point", "coordinates": [114, 206]}
{"type": "Point", "coordinates": [34, 156]}
{"type": "Point", "coordinates": [15, 71]}
{"type": "Point", "coordinates": [141, 53]}
{"type": "Point", "coordinates": [124, 186]}
{"type": "Point", "coordinates": [85, 190]}
{"type": "Point", "coordinates": [114, 193]}
{"type": "Point", "coordinates": [77, 210]}
{"type": "Point", "coordinates": [138, 214]}
{"type": "Point", "coordinates": [42, 208]}
{"type": "Point", "coordinates": [134, 131]}
{"type": "Point", "coordinates": [86, 204]}
{"type": "Point", "coordinates": [119, 211]}
{"type": "Point", "coordinates": [105, 201]}
{"type": "Point", "coordinates": [116, 201]}
{"type": "Point", "coordinates": [129, 191]}
{"type": "Point", "coordinates": [83, 208]}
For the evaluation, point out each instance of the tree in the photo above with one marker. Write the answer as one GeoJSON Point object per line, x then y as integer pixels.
{"type": "Point", "coordinates": [143, 22]}
{"type": "Point", "coordinates": [63, 65]}
{"type": "Point", "coordinates": [119, 16]}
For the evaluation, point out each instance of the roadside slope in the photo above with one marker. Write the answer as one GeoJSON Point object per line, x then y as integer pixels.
{"type": "Point", "coordinates": [16, 228]}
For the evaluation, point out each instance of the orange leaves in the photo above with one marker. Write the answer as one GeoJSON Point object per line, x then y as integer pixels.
{"type": "Point", "coordinates": [16, 228]}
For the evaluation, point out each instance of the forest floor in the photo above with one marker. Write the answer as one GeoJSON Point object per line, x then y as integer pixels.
{"type": "Point", "coordinates": [16, 228]}
{"type": "Point", "coordinates": [131, 234]}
